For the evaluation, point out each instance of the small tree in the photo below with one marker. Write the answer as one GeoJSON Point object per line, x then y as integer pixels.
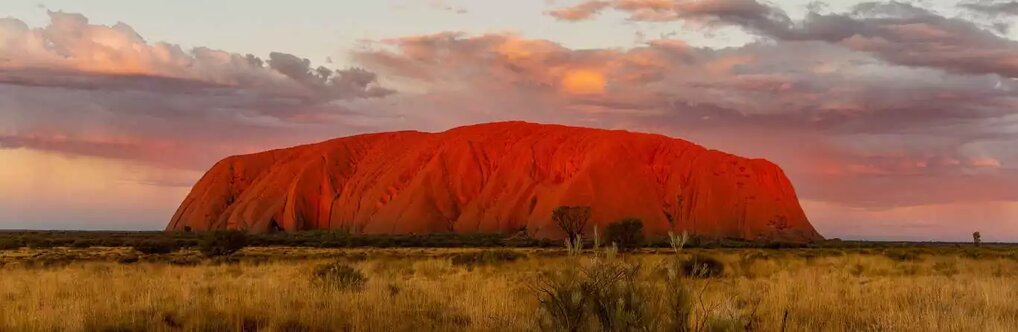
{"type": "Point", "coordinates": [222, 243]}
{"type": "Point", "coordinates": [977, 238]}
{"type": "Point", "coordinates": [571, 219]}
{"type": "Point", "coordinates": [626, 233]}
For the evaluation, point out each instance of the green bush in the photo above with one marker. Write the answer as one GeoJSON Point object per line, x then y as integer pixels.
{"type": "Point", "coordinates": [703, 266]}
{"type": "Point", "coordinates": [339, 275]}
{"type": "Point", "coordinates": [156, 247]}
{"type": "Point", "coordinates": [627, 234]}
{"type": "Point", "coordinates": [484, 257]}
{"type": "Point", "coordinates": [222, 243]}
{"type": "Point", "coordinates": [9, 244]}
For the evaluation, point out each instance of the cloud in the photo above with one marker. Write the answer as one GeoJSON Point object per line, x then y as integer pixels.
{"type": "Point", "coordinates": [446, 6]}
{"type": "Point", "coordinates": [896, 32]}
{"type": "Point", "coordinates": [846, 125]}
{"type": "Point", "coordinates": [325, 82]}
{"type": "Point", "coordinates": [992, 8]}
{"type": "Point", "coordinates": [70, 46]}
{"type": "Point", "coordinates": [581, 11]}
{"type": "Point", "coordinates": [748, 13]}
{"type": "Point", "coordinates": [79, 88]}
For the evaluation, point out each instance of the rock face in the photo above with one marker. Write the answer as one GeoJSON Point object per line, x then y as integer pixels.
{"type": "Point", "coordinates": [497, 177]}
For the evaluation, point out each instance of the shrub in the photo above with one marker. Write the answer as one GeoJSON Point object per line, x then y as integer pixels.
{"type": "Point", "coordinates": [616, 297]}
{"type": "Point", "coordinates": [9, 244]}
{"type": "Point", "coordinates": [703, 266]}
{"type": "Point", "coordinates": [571, 219]}
{"type": "Point", "coordinates": [608, 292]}
{"type": "Point", "coordinates": [38, 243]}
{"type": "Point", "coordinates": [339, 275]}
{"type": "Point", "coordinates": [627, 234]}
{"type": "Point", "coordinates": [679, 301]}
{"type": "Point", "coordinates": [484, 257]}
{"type": "Point", "coordinates": [561, 300]}
{"type": "Point", "coordinates": [128, 259]}
{"type": "Point", "coordinates": [156, 247]}
{"type": "Point", "coordinates": [222, 243]}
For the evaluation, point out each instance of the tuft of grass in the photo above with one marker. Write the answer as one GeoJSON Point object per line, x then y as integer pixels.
{"type": "Point", "coordinates": [946, 267]}
{"type": "Point", "coordinates": [902, 255]}
{"type": "Point", "coordinates": [703, 266]}
{"type": "Point", "coordinates": [606, 290]}
{"type": "Point", "coordinates": [339, 275]}
{"type": "Point", "coordinates": [617, 296]}
{"type": "Point", "coordinates": [562, 306]}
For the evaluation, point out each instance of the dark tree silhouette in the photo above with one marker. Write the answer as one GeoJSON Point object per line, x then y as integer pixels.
{"type": "Point", "coordinates": [627, 233]}
{"type": "Point", "coordinates": [571, 219]}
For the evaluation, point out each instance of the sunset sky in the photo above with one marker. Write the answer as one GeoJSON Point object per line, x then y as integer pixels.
{"type": "Point", "coordinates": [894, 120]}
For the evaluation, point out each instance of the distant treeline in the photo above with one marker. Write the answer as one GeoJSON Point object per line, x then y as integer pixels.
{"type": "Point", "coordinates": [339, 239]}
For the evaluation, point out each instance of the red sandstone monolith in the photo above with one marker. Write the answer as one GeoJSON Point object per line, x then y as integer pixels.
{"type": "Point", "coordinates": [497, 178]}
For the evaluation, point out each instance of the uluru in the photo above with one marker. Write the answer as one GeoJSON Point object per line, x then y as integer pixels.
{"type": "Point", "coordinates": [496, 178]}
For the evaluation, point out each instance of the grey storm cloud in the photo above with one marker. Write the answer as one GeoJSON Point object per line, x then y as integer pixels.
{"type": "Point", "coordinates": [993, 8]}
{"type": "Point", "coordinates": [337, 84]}
{"type": "Point", "coordinates": [897, 32]}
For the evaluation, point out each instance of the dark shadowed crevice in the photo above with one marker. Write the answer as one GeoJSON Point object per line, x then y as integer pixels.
{"type": "Point", "coordinates": [274, 226]}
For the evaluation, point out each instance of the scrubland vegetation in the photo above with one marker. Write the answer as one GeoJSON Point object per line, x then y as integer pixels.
{"type": "Point", "coordinates": [885, 287]}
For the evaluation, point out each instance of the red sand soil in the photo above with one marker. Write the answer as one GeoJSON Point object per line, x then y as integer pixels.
{"type": "Point", "coordinates": [497, 177]}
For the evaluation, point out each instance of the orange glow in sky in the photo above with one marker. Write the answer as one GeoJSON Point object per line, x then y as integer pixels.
{"type": "Point", "coordinates": [583, 82]}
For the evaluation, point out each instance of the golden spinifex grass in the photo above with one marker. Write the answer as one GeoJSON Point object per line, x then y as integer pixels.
{"type": "Point", "coordinates": [421, 289]}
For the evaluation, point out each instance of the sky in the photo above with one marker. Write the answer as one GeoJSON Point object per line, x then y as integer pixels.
{"type": "Point", "coordinates": [895, 120]}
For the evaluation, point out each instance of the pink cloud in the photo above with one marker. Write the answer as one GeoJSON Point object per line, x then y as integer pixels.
{"type": "Point", "coordinates": [71, 44]}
